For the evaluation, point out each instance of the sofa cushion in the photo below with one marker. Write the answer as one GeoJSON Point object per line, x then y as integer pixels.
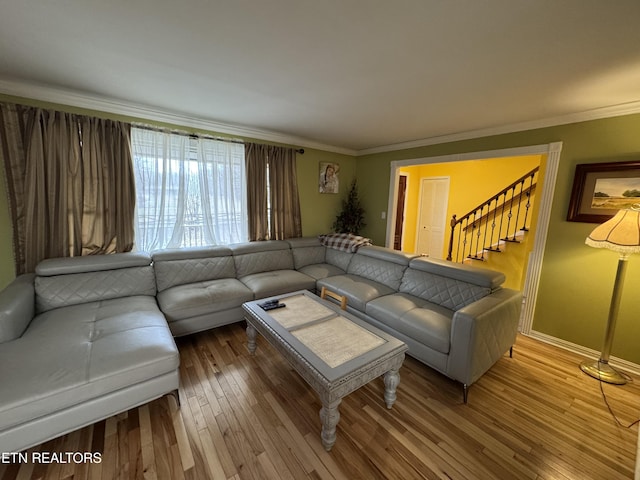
{"type": "Point", "coordinates": [61, 282]}
{"type": "Point", "coordinates": [338, 258]}
{"type": "Point", "coordinates": [81, 352]}
{"type": "Point", "coordinates": [358, 290]}
{"type": "Point", "coordinates": [420, 320]}
{"type": "Point", "coordinates": [307, 251]}
{"type": "Point", "coordinates": [379, 264]}
{"type": "Point", "coordinates": [257, 257]}
{"type": "Point", "coordinates": [321, 270]}
{"type": "Point", "coordinates": [191, 265]}
{"type": "Point", "coordinates": [91, 263]}
{"type": "Point", "coordinates": [444, 291]}
{"type": "Point", "coordinates": [481, 277]}
{"type": "Point", "coordinates": [267, 284]}
{"type": "Point", "coordinates": [201, 298]}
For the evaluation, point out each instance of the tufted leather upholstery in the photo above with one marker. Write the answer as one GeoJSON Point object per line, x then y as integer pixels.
{"type": "Point", "coordinates": [96, 344]}
{"type": "Point", "coordinates": [57, 291]}
{"type": "Point", "coordinates": [307, 251]}
{"type": "Point", "coordinates": [444, 291]}
{"type": "Point", "coordinates": [260, 257]}
{"type": "Point", "coordinates": [190, 265]}
{"type": "Point", "coordinates": [338, 258]}
{"type": "Point", "coordinates": [379, 264]}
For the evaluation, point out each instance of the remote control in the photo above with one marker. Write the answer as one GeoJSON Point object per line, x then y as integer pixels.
{"type": "Point", "coordinates": [273, 306]}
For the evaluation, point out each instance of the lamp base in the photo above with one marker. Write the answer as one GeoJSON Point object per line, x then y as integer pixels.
{"type": "Point", "coordinates": [602, 371]}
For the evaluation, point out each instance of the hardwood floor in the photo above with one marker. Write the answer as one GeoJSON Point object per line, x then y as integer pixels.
{"type": "Point", "coordinates": [535, 416]}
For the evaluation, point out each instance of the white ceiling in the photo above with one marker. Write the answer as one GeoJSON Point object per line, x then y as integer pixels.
{"type": "Point", "coordinates": [351, 74]}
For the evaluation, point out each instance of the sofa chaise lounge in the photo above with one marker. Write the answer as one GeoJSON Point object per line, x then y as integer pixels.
{"type": "Point", "coordinates": [81, 340]}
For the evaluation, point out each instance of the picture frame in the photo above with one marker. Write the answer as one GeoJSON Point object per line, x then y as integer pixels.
{"type": "Point", "coordinates": [601, 189]}
{"type": "Point", "coordinates": [328, 181]}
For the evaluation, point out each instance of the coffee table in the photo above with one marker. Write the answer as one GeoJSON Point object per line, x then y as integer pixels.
{"type": "Point", "coordinates": [333, 351]}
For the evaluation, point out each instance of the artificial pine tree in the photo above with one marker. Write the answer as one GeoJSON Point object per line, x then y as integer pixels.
{"type": "Point", "coordinates": [351, 218]}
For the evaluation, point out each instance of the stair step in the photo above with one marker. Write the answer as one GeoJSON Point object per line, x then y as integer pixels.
{"type": "Point", "coordinates": [510, 240]}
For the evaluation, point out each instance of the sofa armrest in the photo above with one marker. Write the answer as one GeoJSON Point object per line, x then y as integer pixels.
{"type": "Point", "coordinates": [481, 333]}
{"type": "Point", "coordinates": [17, 307]}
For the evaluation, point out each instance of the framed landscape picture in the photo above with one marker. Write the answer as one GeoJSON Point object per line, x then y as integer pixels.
{"type": "Point", "coordinates": [601, 189]}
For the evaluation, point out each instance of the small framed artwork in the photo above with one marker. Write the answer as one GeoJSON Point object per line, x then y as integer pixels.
{"type": "Point", "coordinates": [328, 181]}
{"type": "Point", "coordinates": [601, 189]}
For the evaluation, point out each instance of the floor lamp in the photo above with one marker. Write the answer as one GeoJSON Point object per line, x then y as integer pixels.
{"type": "Point", "coordinates": [620, 234]}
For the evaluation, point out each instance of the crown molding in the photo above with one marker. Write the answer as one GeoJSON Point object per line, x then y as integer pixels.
{"type": "Point", "coordinates": [109, 105]}
{"type": "Point", "coordinates": [595, 114]}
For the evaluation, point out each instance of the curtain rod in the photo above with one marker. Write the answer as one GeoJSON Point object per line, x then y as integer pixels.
{"type": "Point", "coordinates": [196, 135]}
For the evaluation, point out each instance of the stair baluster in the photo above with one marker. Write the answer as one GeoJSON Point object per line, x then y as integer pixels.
{"type": "Point", "coordinates": [503, 213]}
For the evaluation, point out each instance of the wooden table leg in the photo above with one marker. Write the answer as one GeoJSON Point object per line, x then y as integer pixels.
{"type": "Point", "coordinates": [391, 382]}
{"type": "Point", "coordinates": [329, 416]}
{"type": "Point", "coordinates": [251, 338]}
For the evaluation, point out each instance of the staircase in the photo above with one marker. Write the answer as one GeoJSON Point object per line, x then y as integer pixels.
{"type": "Point", "coordinates": [491, 226]}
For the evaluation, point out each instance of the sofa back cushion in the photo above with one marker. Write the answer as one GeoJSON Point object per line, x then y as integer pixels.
{"type": "Point", "coordinates": [262, 256]}
{"type": "Point", "coordinates": [307, 251]}
{"type": "Point", "coordinates": [338, 258]}
{"type": "Point", "coordinates": [448, 284]}
{"type": "Point", "coordinates": [70, 281]}
{"type": "Point", "coordinates": [379, 264]}
{"type": "Point", "coordinates": [191, 265]}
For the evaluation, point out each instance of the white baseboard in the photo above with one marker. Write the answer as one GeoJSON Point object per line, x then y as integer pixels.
{"type": "Point", "coordinates": [587, 352]}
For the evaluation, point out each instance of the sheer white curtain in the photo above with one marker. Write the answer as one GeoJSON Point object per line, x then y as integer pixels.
{"type": "Point", "coordinates": [190, 191]}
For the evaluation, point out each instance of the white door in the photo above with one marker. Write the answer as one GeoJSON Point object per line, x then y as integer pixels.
{"type": "Point", "coordinates": [432, 216]}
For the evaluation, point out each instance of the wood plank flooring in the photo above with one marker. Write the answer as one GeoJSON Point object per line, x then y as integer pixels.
{"type": "Point", "coordinates": [535, 416]}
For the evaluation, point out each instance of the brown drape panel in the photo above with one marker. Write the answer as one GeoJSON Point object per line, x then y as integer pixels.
{"type": "Point", "coordinates": [285, 203]}
{"type": "Point", "coordinates": [12, 143]}
{"type": "Point", "coordinates": [70, 182]}
{"type": "Point", "coordinates": [282, 220]}
{"type": "Point", "coordinates": [255, 157]}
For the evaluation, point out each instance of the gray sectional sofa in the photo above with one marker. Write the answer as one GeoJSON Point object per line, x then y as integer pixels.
{"type": "Point", "coordinates": [87, 337]}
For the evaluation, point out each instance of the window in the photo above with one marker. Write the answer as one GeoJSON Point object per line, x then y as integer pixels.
{"type": "Point", "coordinates": [189, 191]}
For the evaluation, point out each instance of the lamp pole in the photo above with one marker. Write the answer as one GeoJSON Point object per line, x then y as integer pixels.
{"type": "Point", "coordinates": [601, 369]}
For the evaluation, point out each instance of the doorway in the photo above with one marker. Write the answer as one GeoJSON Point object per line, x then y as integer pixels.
{"type": "Point", "coordinates": [400, 211]}
{"type": "Point", "coordinates": [551, 152]}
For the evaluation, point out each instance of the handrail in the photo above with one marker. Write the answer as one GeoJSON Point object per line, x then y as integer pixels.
{"type": "Point", "coordinates": [498, 195]}
{"type": "Point", "coordinates": [526, 192]}
{"type": "Point", "coordinates": [479, 227]}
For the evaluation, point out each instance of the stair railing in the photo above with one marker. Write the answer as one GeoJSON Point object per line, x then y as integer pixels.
{"type": "Point", "coordinates": [494, 221]}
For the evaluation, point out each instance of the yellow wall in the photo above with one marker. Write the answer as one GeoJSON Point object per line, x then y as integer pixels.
{"type": "Point", "coordinates": [471, 182]}
{"type": "Point", "coordinates": [318, 210]}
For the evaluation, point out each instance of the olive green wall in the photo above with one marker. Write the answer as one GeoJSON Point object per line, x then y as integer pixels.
{"type": "Point", "coordinates": [318, 210]}
{"type": "Point", "coordinates": [576, 280]}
